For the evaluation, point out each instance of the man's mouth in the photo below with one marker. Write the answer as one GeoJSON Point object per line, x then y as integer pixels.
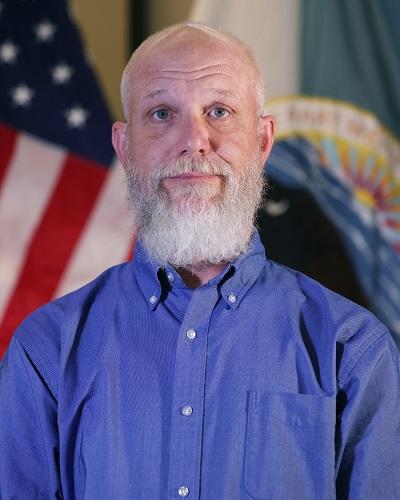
{"type": "Point", "coordinates": [196, 176]}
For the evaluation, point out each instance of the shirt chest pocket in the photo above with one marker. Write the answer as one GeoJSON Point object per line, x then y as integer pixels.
{"type": "Point", "coordinates": [290, 446]}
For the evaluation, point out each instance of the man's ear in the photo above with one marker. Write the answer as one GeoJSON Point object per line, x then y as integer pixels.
{"type": "Point", "coordinates": [267, 124]}
{"type": "Point", "coordinates": [119, 141]}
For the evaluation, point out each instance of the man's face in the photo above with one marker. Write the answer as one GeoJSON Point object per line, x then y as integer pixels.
{"type": "Point", "coordinates": [194, 102]}
{"type": "Point", "coordinates": [193, 126]}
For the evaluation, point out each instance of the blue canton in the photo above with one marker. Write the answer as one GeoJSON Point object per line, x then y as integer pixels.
{"type": "Point", "coordinates": [42, 71]}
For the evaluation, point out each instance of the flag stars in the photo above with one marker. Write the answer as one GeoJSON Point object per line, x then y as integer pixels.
{"type": "Point", "coordinates": [45, 31]}
{"type": "Point", "coordinates": [61, 74]}
{"type": "Point", "coordinates": [22, 95]}
{"type": "Point", "coordinates": [8, 52]}
{"type": "Point", "coordinates": [76, 117]}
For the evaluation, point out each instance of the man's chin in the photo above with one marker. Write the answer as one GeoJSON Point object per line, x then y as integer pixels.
{"type": "Point", "coordinates": [192, 205]}
{"type": "Point", "coordinates": [195, 194]}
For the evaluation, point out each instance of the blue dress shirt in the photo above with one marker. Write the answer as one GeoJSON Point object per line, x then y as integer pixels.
{"type": "Point", "coordinates": [260, 384]}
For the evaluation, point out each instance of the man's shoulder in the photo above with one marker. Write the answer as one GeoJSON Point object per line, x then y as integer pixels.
{"type": "Point", "coordinates": [67, 312]}
{"type": "Point", "coordinates": [289, 279]}
{"type": "Point", "coordinates": [327, 323]}
{"type": "Point", "coordinates": [73, 328]}
{"type": "Point", "coordinates": [323, 313]}
{"type": "Point", "coordinates": [297, 284]}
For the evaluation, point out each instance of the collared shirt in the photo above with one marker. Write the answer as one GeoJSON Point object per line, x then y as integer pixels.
{"type": "Point", "coordinates": [259, 384]}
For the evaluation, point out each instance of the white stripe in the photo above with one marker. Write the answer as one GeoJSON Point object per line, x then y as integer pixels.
{"type": "Point", "coordinates": [106, 239]}
{"type": "Point", "coordinates": [30, 179]}
{"type": "Point", "coordinates": [270, 27]}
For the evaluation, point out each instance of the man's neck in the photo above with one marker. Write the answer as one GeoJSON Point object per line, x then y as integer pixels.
{"type": "Point", "coordinates": [195, 276]}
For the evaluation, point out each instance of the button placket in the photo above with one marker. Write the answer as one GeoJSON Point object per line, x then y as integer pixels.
{"type": "Point", "coordinates": [188, 399]}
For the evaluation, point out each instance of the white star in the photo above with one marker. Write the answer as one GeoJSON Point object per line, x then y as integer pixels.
{"type": "Point", "coordinates": [22, 95]}
{"type": "Point", "coordinates": [61, 73]}
{"type": "Point", "coordinates": [8, 52]}
{"type": "Point", "coordinates": [45, 31]}
{"type": "Point", "coordinates": [76, 117]}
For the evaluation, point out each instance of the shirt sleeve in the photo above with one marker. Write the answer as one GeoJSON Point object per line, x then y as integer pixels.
{"type": "Point", "coordinates": [28, 429]}
{"type": "Point", "coordinates": [368, 425]}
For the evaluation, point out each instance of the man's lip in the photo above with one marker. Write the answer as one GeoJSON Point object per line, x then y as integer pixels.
{"type": "Point", "coordinates": [191, 175]}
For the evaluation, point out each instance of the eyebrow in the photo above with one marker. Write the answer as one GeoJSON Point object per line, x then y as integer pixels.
{"type": "Point", "coordinates": [224, 92]}
{"type": "Point", "coordinates": [155, 93]}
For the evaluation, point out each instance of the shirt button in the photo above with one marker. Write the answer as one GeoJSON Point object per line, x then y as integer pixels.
{"type": "Point", "coordinates": [232, 298]}
{"type": "Point", "coordinates": [153, 299]}
{"type": "Point", "coordinates": [183, 491]}
{"type": "Point", "coordinates": [170, 277]}
{"type": "Point", "coordinates": [191, 334]}
{"type": "Point", "coordinates": [187, 411]}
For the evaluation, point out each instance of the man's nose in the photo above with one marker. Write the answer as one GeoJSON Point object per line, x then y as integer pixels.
{"type": "Point", "coordinates": [194, 138]}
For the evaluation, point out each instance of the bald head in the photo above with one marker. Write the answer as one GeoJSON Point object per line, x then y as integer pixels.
{"type": "Point", "coordinates": [173, 40]}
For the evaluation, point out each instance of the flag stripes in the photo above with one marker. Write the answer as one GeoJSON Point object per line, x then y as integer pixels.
{"type": "Point", "coordinates": [7, 145]}
{"type": "Point", "coordinates": [50, 197]}
{"type": "Point", "coordinates": [32, 173]}
{"type": "Point", "coordinates": [107, 238]}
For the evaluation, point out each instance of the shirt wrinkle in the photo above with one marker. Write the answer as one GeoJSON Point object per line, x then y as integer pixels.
{"type": "Point", "coordinates": [37, 413]}
{"type": "Point", "coordinates": [368, 344]}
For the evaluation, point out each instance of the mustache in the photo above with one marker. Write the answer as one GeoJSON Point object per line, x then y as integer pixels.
{"type": "Point", "coordinates": [189, 165]}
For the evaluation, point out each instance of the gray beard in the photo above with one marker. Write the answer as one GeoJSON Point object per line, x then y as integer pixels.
{"type": "Point", "coordinates": [199, 226]}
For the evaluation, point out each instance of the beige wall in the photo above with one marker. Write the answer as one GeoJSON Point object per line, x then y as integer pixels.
{"type": "Point", "coordinates": [104, 25]}
{"type": "Point", "coordinates": [165, 12]}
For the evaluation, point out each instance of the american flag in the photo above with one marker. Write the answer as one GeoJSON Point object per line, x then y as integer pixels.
{"type": "Point", "coordinates": [63, 217]}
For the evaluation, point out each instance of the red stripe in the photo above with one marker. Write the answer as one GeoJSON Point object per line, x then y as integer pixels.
{"type": "Point", "coordinates": [54, 240]}
{"type": "Point", "coordinates": [8, 139]}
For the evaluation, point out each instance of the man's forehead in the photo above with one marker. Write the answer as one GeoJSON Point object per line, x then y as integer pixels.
{"type": "Point", "coordinates": [162, 85]}
{"type": "Point", "coordinates": [201, 67]}
{"type": "Point", "coordinates": [184, 60]}
{"type": "Point", "coordinates": [227, 92]}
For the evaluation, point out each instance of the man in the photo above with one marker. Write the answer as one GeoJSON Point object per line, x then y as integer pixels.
{"type": "Point", "coordinates": [200, 369]}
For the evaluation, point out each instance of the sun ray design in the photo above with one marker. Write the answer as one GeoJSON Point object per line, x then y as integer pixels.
{"type": "Point", "coordinates": [371, 180]}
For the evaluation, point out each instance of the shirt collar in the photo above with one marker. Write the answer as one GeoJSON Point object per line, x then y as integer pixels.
{"type": "Point", "coordinates": [245, 271]}
{"type": "Point", "coordinates": [147, 272]}
{"type": "Point", "coordinates": [235, 280]}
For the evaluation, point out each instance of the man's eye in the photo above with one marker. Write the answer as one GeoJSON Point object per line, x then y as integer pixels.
{"type": "Point", "coordinates": [219, 112]}
{"type": "Point", "coordinates": [161, 115]}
